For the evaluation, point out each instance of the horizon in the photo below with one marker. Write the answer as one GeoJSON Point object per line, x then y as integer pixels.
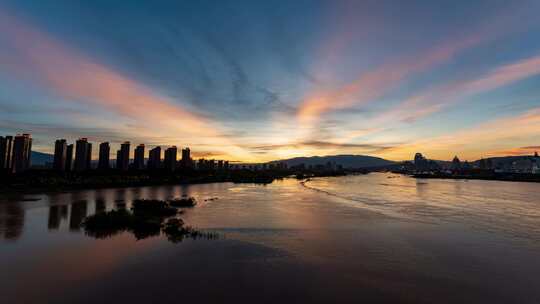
{"type": "Point", "coordinates": [254, 82]}
{"type": "Point", "coordinates": [113, 157]}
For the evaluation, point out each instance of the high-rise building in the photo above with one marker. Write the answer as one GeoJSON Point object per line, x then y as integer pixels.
{"type": "Point", "coordinates": [169, 162]}
{"type": "Point", "coordinates": [186, 161]}
{"type": "Point", "coordinates": [6, 152]}
{"type": "Point", "coordinates": [60, 151]}
{"type": "Point", "coordinates": [22, 147]}
{"type": "Point", "coordinates": [82, 147]}
{"type": "Point", "coordinates": [89, 157]}
{"type": "Point", "coordinates": [154, 158]}
{"type": "Point", "coordinates": [138, 162]}
{"type": "Point", "coordinates": [69, 157]}
{"type": "Point", "coordinates": [200, 164]}
{"type": "Point", "coordinates": [118, 159]}
{"type": "Point", "coordinates": [122, 157]}
{"type": "Point", "coordinates": [104, 156]}
{"type": "Point", "coordinates": [456, 164]}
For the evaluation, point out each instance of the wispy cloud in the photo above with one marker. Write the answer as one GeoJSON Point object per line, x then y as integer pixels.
{"type": "Point", "coordinates": [472, 143]}
{"type": "Point", "coordinates": [76, 77]}
{"type": "Point", "coordinates": [438, 98]}
{"type": "Point", "coordinates": [375, 83]}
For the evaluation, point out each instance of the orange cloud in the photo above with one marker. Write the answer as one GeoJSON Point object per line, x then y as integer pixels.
{"type": "Point", "coordinates": [75, 77]}
{"type": "Point", "coordinates": [373, 84]}
{"type": "Point", "coordinates": [435, 99]}
{"type": "Point", "coordinates": [496, 135]}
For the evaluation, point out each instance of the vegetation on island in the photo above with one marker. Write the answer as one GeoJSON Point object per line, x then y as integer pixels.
{"type": "Point", "coordinates": [146, 218]}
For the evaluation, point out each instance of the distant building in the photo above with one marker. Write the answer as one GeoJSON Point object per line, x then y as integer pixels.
{"type": "Point", "coordinates": [122, 156]}
{"type": "Point", "coordinates": [138, 162]}
{"type": "Point", "coordinates": [456, 164]}
{"type": "Point", "coordinates": [69, 158]}
{"type": "Point", "coordinates": [60, 152]}
{"type": "Point", "coordinates": [118, 159]}
{"type": "Point", "coordinates": [200, 164]}
{"type": "Point", "coordinates": [186, 161]}
{"type": "Point", "coordinates": [211, 164]}
{"type": "Point", "coordinates": [89, 157]}
{"type": "Point", "coordinates": [154, 158]}
{"type": "Point", "coordinates": [6, 152]}
{"type": "Point", "coordinates": [169, 162]}
{"type": "Point", "coordinates": [104, 161]}
{"type": "Point", "coordinates": [82, 148]}
{"type": "Point", "coordinates": [421, 164]}
{"type": "Point", "coordinates": [22, 147]}
{"type": "Point", "coordinates": [523, 166]}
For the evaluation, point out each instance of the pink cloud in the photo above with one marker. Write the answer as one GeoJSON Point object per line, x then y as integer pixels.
{"type": "Point", "coordinates": [74, 76]}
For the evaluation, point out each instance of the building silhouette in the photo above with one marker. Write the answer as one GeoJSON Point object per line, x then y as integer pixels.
{"type": "Point", "coordinates": [154, 158]}
{"type": "Point", "coordinates": [69, 157]}
{"type": "Point", "coordinates": [22, 147]}
{"type": "Point", "coordinates": [456, 164]}
{"type": "Point", "coordinates": [6, 153]}
{"type": "Point", "coordinates": [89, 157]}
{"type": "Point", "coordinates": [60, 152]}
{"type": "Point", "coordinates": [186, 161]}
{"type": "Point", "coordinates": [138, 162]}
{"type": "Point", "coordinates": [82, 150]}
{"type": "Point", "coordinates": [421, 163]}
{"type": "Point", "coordinates": [122, 156]}
{"type": "Point", "coordinates": [104, 161]}
{"type": "Point", "coordinates": [169, 162]}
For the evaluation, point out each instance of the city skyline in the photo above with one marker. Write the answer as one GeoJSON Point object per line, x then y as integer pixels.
{"type": "Point", "coordinates": [301, 79]}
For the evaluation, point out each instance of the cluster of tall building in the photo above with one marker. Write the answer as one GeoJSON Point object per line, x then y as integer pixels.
{"type": "Point", "coordinates": [15, 153]}
{"type": "Point", "coordinates": [63, 157]}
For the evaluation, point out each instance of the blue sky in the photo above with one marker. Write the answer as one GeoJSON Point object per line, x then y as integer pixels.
{"type": "Point", "coordinates": [261, 80]}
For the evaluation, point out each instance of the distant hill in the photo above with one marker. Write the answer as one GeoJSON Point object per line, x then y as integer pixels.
{"type": "Point", "coordinates": [347, 161]}
{"type": "Point", "coordinates": [41, 159]}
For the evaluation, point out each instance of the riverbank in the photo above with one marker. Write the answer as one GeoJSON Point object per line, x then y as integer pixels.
{"type": "Point", "coordinates": [507, 177]}
{"type": "Point", "coordinates": [36, 181]}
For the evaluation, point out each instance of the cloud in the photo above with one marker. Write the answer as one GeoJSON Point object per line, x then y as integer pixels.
{"type": "Point", "coordinates": [323, 145]}
{"type": "Point", "coordinates": [435, 99]}
{"type": "Point", "coordinates": [373, 84]}
{"type": "Point", "coordinates": [473, 143]}
{"type": "Point", "coordinates": [76, 77]}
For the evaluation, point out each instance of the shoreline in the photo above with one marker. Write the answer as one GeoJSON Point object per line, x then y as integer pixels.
{"type": "Point", "coordinates": [49, 181]}
{"type": "Point", "coordinates": [503, 178]}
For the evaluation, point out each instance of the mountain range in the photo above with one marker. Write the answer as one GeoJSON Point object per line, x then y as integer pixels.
{"type": "Point", "coordinates": [347, 161]}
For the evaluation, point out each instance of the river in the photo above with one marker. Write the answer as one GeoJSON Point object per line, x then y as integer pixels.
{"type": "Point", "coordinates": [373, 238]}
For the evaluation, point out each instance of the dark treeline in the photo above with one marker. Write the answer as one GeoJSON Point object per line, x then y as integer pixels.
{"type": "Point", "coordinates": [50, 180]}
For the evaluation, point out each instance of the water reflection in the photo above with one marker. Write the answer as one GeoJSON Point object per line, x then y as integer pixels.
{"type": "Point", "coordinates": [147, 218]}
{"type": "Point", "coordinates": [284, 241]}
{"type": "Point", "coordinates": [11, 221]}
{"type": "Point", "coordinates": [78, 213]}
{"type": "Point", "coordinates": [54, 218]}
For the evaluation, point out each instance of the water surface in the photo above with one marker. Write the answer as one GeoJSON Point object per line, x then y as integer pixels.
{"type": "Point", "coordinates": [374, 238]}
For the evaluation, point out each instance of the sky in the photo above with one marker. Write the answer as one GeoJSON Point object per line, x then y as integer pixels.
{"type": "Point", "coordinates": [260, 80]}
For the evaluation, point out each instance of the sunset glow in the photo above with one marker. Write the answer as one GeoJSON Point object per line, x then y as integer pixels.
{"type": "Point", "coordinates": [385, 89]}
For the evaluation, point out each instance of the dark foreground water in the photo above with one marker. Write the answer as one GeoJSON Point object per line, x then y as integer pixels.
{"type": "Point", "coordinates": [374, 238]}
